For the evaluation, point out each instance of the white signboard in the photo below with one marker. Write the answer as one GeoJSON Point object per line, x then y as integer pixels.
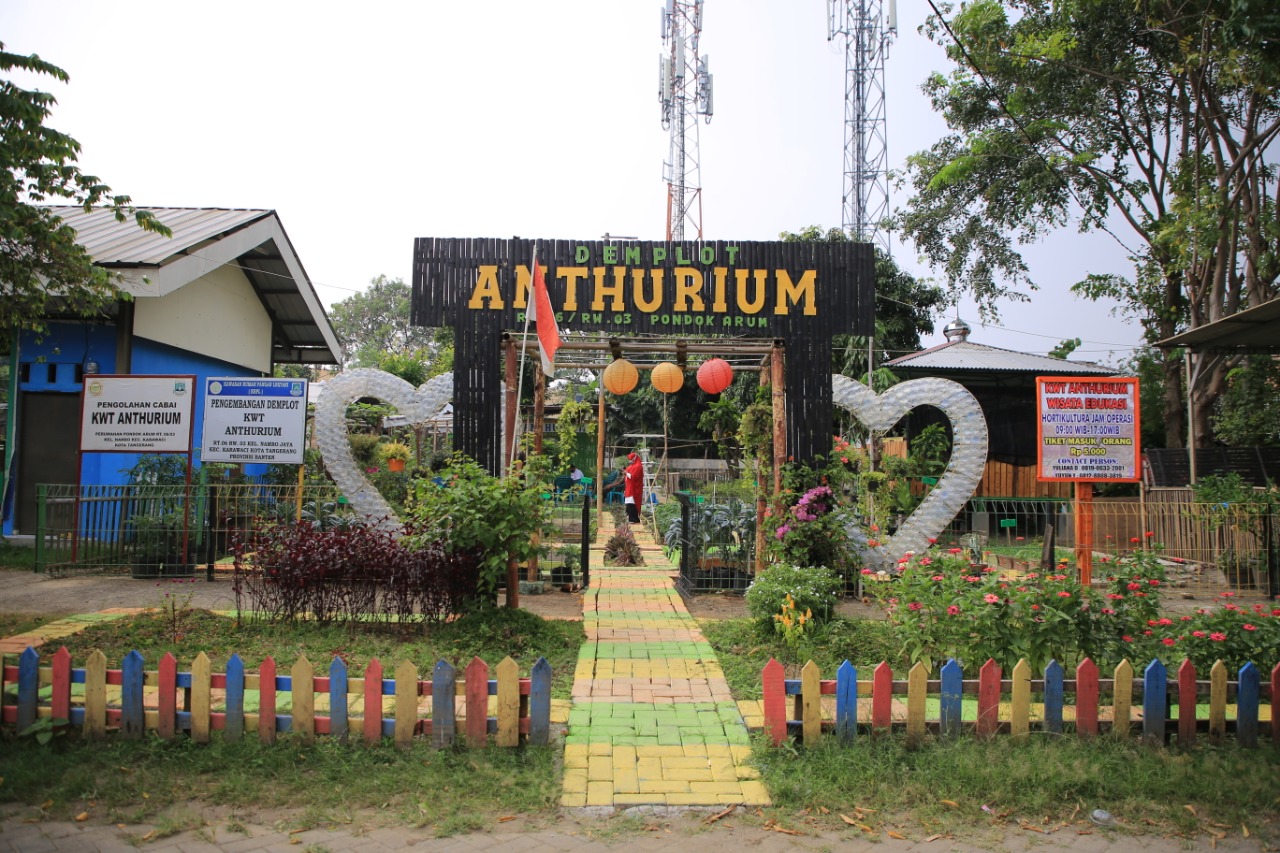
{"type": "Point", "coordinates": [137, 414]}
{"type": "Point", "coordinates": [254, 420]}
{"type": "Point", "coordinates": [1088, 429]}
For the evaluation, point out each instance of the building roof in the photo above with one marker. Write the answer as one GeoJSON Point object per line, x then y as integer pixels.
{"type": "Point", "coordinates": [254, 241]}
{"type": "Point", "coordinates": [1171, 467]}
{"type": "Point", "coordinates": [1255, 329]}
{"type": "Point", "coordinates": [967, 356]}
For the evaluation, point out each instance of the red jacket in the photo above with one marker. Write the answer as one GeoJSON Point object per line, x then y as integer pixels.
{"type": "Point", "coordinates": [634, 487]}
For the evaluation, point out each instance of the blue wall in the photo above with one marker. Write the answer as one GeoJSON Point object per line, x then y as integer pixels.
{"type": "Point", "coordinates": [53, 365]}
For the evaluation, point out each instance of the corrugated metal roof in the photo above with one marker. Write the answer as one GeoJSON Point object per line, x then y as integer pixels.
{"type": "Point", "coordinates": [113, 243]}
{"type": "Point", "coordinates": [966, 355]}
{"type": "Point", "coordinates": [1255, 329]}
{"type": "Point", "coordinates": [254, 241]}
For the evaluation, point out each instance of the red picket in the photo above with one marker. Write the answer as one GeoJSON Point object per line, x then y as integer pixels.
{"type": "Point", "coordinates": [167, 679]}
{"type": "Point", "coordinates": [775, 701]}
{"type": "Point", "coordinates": [267, 701]}
{"type": "Point", "coordinates": [882, 697]}
{"type": "Point", "coordinates": [477, 677]}
{"type": "Point", "coordinates": [373, 701]}
{"type": "Point", "coordinates": [988, 699]}
{"type": "Point", "coordinates": [1186, 703]}
{"type": "Point", "coordinates": [60, 703]}
{"type": "Point", "coordinates": [1087, 693]}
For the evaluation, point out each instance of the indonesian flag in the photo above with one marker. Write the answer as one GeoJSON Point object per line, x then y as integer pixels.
{"type": "Point", "coordinates": [540, 312]}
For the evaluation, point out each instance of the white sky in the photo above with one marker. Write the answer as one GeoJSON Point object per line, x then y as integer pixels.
{"type": "Point", "coordinates": [367, 125]}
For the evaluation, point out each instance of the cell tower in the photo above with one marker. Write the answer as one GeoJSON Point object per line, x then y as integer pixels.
{"type": "Point", "coordinates": [684, 90]}
{"type": "Point", "coordinates": [867, 36]}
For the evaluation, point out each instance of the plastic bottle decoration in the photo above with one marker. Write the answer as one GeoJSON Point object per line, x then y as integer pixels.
{"type": "Point", "coordinates": [715, 375]}
{"type": "Point", "coordinates": [667, 378]}
{"type": "Point", "coordinates": [620, 377]}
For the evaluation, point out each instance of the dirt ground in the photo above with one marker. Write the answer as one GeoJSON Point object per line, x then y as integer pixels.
{"type": "Point", "coordinates": [27, 592]}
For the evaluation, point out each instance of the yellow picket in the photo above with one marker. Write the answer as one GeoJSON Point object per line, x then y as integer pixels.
{"type": "Point", "coordinates": [917, 687]}
{"type": "Point", "coordinates": [95, 695]}
{"type": "Point", "coordinates": [508, 703]}
{"type": "Point", "coordinates": [1217, 701]}
{"type": "Point", "coordinates": [1020, 713]}
{"type": "Point", "coordinates": [201, 692]}
{"type": "Point", "coordinates": [302, 689]}
{"type": "Point", "coordinates": [406, 704]}
{"type": "Point", "coordinates": [1123, 698]}
{"type": "Point", "coordinates": [811, 694]}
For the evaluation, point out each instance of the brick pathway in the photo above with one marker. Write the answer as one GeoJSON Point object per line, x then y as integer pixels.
{"type": "Point", "coordinates": [652, 721]}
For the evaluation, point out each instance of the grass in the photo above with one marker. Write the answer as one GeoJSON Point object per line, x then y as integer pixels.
{"type": "Point", "coordinates": [743, 649]}
{"type": "Point", "coordinates": [490, 635]}
{"type": "Point", "coordinates": [15, 623]}
{"type": "Point", "coordinates": [1048, 784]}
{"type": "Point", "coordinates": [16, 558]}
{"type": "Point", "coordinates": [328, 783]}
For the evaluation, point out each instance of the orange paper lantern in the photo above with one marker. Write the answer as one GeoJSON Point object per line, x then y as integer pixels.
{"type": "Point", "coordinates": [715, 375]}
{"type": "Point", "coordinates": [620, 377]}
{"type": "Point", "coordinates": [667, 378]}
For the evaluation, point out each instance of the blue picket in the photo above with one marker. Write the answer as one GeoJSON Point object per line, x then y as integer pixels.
{"type": "Point", "coordinates": [338, 722]}
{"type": "Point", "coordinates": [28, 687]}
{"type": "Point", "coordinates": [540, 703]}
{"type": "Point", "coordinates": [1053, 697]}
{"type": "Point", "coordinates": [1155, 700]}
{"type": "Point", "coordinates": [1247, 695]}
{"type": "Point", "coordinates": [847, 701]}
{"type": "Point", "coordinates": [132, 677]}
{"type": "Point", "coordinates": [444, 725]}
{"type": "Point", "coordinates": [952, 690]}
{"type": "Point", "coordinates": [234, 727]}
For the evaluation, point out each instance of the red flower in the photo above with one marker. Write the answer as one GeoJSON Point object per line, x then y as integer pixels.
{"type": "Point", "coordinates": [1217, 636]}
{"type": "Point", "coordinates": [1064, 594]}
{"type": "Point", "coordinates": [1127, 638]}
{"type": "Point", "coordinates": [1153, 582]}
{"type": "Point", "coordinates": [939, 577]}
{"type": "Point", "coordinates": [933, 540]}
{"type": "Point", "coordinates": [953, 610]}
{"type": "Point", "coordinates": [1115, 596]}
{"type": "Point", "coordinates": [1134, 540]}
{"type": "Point", "coordinates": [1148, 534]}
{"type": "Point", "coordinates": [953, 550]}
{"type": "Point", "coordinates": [1168, 641]}
{"type": "Point", "coordinates": [1198, 634]}
{"type": "Point", "coordinates": [915, 605]}
{"type": "Point", "coordinates": [1107, 611]}
{"type": "Point", "coordinates": [1133, 587]}
{"type": "Point", "coordinates": [991, 598]}
{"type": "Point", "coordinates": [1165, 621]}
{"type": "Point", "coordinates": [868, 572]}
{"type": "Point", "coordinates": [1035, 607]}
{"type": "Point", "coordinates": [1249, 627]}
{"type": "Point", "coordinates": [1147, 633]}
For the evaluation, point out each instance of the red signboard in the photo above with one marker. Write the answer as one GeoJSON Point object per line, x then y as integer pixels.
{"type": "Point", "coordinates": [1087, 429]}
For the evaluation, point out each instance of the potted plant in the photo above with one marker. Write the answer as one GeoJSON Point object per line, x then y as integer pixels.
{"type": "Point", "coordinates": [394, 454]}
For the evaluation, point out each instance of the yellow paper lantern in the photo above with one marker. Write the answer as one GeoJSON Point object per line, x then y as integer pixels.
{"type": "Point", "coordinates": [667, 378]}
{"type": "Point", "coordinates": [620, 377]}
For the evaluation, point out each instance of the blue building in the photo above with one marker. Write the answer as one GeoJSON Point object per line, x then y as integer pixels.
{"type": "Point", "coordinates": [226, 295]}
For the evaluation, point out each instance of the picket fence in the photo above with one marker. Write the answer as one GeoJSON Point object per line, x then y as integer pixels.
{"type": "Point", "coordinates": [523, 704]}
{"type": "Point", "coordinates": [1155, 691]}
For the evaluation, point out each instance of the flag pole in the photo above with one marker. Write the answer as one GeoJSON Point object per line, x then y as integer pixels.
{"type": "Point", "coordinates": [524, 346]}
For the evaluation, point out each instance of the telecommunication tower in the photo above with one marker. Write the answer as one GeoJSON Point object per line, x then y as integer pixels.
{"type": "Point", "coordinates": [867, 34]}
{"type": "Point", "coordinates": [684, 90]}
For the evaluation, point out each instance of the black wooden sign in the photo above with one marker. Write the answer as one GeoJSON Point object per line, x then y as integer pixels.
{"type": "Point", "coordinates": [799, 293]}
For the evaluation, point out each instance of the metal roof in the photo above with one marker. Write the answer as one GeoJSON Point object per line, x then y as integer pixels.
{"type": "Point", "coordinates": [1255, 329]}
{"type": "Point", "coordinates": [966, 355]}
{"type": "Point", "coordinates": [204, 239]}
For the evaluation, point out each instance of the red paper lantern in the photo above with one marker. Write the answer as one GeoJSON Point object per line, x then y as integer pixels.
{"type": "Point", "coordinates": [715, 375]}
{"type": "Point", "coordinates": [667, 378]}
{"type": "Point", "coordinates": [620, 377]}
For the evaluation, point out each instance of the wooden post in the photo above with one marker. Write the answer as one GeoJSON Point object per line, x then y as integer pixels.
{"type": "Point", "coordinates": [1084, 532]}
{"type": "Point", "coordinates": [513, 582]}
{"type": "Point", "coordinates": [513, 404]}
{"type": "Point", "coordinates": [600, 452]}
{"type": "Point", "coordinates": [539, 403]}
{"type": "Point", "coordinates": [779, 393]}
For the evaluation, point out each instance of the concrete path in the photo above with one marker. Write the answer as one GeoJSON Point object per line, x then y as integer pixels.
{"type": "Point", "coordinates": [652, 720]}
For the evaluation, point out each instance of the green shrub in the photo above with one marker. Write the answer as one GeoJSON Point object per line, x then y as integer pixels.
{"type": "Point", "coordinates": [813, 589]}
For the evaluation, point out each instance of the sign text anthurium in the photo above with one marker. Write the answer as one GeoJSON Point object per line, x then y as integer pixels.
{"type": "Point", "coordinates": [764, 289]}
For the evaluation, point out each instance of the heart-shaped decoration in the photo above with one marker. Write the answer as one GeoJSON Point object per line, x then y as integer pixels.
{"type": "Point", "coordinates": [964, 469]}
{"type": "Point", "coordinates": [418, 405]}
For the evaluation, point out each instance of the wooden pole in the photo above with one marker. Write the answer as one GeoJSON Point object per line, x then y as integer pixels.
{"type": "Point", "coordinates": [513, 402]}
{"type": "Point", "coordinates": [1084, 532]}
{"type": "Point", "coordinates": [539, 403]}
{"type": "Point", "coordinates": [761, 505]}
{"type": "Point", "coordinates": [779, 394]}
{"type": "Point", "coordinates": [600, 453]}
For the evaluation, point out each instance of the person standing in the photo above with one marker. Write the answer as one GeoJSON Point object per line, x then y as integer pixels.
{"type": "Point", "coordinates": [633, 489]}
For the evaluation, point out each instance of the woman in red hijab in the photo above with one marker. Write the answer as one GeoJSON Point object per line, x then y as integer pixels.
{"type": "Point", "coordinates": [633, 489]}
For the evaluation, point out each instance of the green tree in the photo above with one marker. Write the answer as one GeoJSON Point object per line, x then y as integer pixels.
{"type": "Point", "coordinates": [375, 323]}
{"type": "Point", "coordinates": [43, 271]}
{"type": "Point", "coordinates": [904, 309]}
{"type": "Point", "coordinates": [1155, 118]}
{"type": "Point", "coordinates": [1065, 347]}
